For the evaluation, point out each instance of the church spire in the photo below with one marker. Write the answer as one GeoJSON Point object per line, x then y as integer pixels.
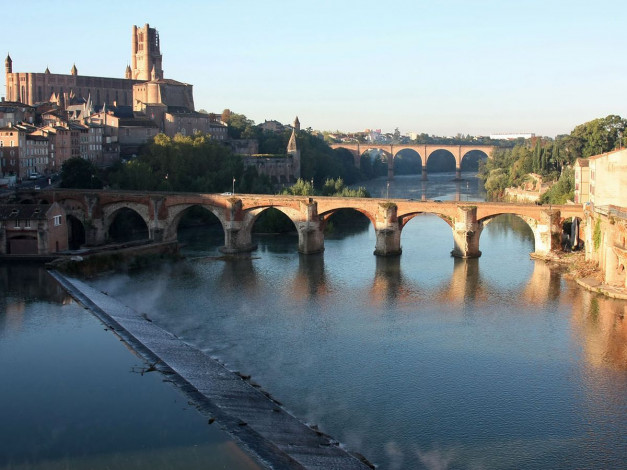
{"type": "Point", "coordinates": [74, 70]}
{"type": "Point", "coordinates": [292, 151]}
{"type": "Point", "coordinates": [8, 64]}
{"type": "Point", "coordinates": [291, 145]}
{"type": "Point", "coordinates": [128, 74]}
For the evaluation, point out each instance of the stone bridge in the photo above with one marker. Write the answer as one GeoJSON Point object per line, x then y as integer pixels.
{"type": "Point", "coordinates": [162, 212]}
{"type": "Point", "coordinates": [424, 150]}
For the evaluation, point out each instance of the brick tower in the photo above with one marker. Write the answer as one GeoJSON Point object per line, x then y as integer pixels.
{"type": "Point", "coordinates": [145, 53]}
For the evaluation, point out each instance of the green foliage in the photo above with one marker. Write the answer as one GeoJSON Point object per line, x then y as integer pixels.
{"type": "Point", "coordinates": [595, 137]}
{"type": "Point", "coordinates": [186, 163]}
{"type": "Point", "coordinates": [562, 191]}
{"type": "Point", "coordinates": [79, 173]}
{"type": "Point", "coordinates": [331, 187]}
{"type": "Point", "coordinates": [596, 236]}
{"type": "Point", "coordinates": [300, 188]}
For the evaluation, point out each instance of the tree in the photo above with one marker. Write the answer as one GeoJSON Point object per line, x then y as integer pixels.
{"type": "Point", "coordinates": [79, 173]}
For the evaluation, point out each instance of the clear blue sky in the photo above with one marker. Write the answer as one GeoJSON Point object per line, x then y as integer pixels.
{"type": "Point", "coordinates": [440, 67]}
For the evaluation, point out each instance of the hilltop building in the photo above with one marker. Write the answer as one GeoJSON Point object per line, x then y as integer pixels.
{"type": "Point", "coordinates": [101, 118]}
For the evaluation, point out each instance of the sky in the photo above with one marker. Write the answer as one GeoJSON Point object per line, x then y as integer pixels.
{"type": "Point", "coordinates": [439, 67]}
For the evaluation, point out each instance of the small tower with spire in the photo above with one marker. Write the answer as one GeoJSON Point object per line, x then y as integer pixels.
{"type": "Point", "coordinates": [74, 70]}
{"type": "Point", "coordinates": [293, 151]}
{"type": "Point", "coordinates": [8, 64]}
{"type": "Point", "coordinates": [128, 74]}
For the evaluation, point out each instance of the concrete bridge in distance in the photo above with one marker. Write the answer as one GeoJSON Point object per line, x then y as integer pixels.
{"type": "Point", "coordinates": [423, 150]}
{"type": "Point", "coordinates": [95, 212]}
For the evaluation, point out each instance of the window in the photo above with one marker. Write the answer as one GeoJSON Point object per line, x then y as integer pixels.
{"type": "Point", "coordinates": [57, 220]}
{"type": "Point", "coordinates": [27, 224]}
{"type": "Point", "coordinates": [17, 224]}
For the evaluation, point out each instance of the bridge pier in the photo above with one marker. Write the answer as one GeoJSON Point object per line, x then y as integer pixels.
{"type": "Point", "coordinates": [95, 234]}
{"type": "Point", "coordinates": [424, 172]}
{"type": "Point", "coordinates": [458, 173]}
{"type": "Point", "coordinates": [310, 231]}
{"type": "Point", "coordinates": [547, 233]}
{"type": "Point", "coordinates": [387, 230]}
{"type": "Point", "coordinates": [237, 236]}
{"type": "Point", "coordinates": [466, 233]}
{"type": "Point", "coordinates": [156, 230]}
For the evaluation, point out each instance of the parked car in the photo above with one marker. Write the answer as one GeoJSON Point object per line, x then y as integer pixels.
{"type": "Point", "coordinates": [34, 176]}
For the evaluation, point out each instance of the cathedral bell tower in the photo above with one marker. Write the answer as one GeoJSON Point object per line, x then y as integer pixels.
{"type": "Point", "coordinates": [145, 53]}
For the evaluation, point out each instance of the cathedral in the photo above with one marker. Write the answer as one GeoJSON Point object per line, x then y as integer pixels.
{"type": "Point", "coordinates": [143, 84]}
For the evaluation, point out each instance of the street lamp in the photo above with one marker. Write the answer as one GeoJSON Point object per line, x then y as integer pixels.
{"type": "Point", "coordinates": [233, 192]}
{"type": "Point", "coordinates": [387, 194]}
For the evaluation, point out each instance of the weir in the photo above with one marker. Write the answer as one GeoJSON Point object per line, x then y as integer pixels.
{"type": "Point", "coordinates": [250, 415]}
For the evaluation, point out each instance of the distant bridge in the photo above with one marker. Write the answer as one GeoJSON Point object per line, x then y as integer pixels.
{"type": "Point", "coordinates": [95, 211]}
{"type": "Point", "coordinates": [423, 150]}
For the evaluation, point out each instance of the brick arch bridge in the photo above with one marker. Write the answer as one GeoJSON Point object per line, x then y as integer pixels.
{"type": "Point", "coordinates": [423, 150]}
{"type": "Point", "coordinates": [162, 213]}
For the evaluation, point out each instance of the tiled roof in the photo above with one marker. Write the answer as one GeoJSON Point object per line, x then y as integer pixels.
{"type": "Point", "coordinates": [23, 211]}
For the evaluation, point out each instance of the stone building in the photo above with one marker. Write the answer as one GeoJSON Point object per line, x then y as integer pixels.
{"type": "Point", "coordinates": [154, 101]}
{"type": "Point", "coordinates": [281, 169]}
{"type": "Point", "coordinates": [32, 229]}
{"type": "Point", "coordinates": [582, 181]}
{"type": "Point", "coordinates": [602, 179]}
{"type": "Point", "coordinates": [12, 112]}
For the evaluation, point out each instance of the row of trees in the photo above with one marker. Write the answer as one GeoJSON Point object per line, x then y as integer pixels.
{"type": "Point", "coordinates": [551, 158]}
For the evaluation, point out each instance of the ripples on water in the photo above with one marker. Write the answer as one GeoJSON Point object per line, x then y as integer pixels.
{"type": "Point", "coordinates": [419, 361]}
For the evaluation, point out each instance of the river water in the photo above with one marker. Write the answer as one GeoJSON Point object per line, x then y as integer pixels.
{"type": "Point", "coordinates": [421, 361]}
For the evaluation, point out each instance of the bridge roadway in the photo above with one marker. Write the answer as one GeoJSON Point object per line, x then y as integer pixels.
{"type": "Point", "coordinates": [423, 150]}
{"type": "Point", "coordinates": [162, 212]}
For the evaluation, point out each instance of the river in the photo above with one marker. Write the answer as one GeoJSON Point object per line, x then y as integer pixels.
{"type": "Point", "coordinates": [421, 361]}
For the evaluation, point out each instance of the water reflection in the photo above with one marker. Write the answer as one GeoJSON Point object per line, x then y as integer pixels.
{"type": "Point", "coordinates": [22, 284]}
{"type": "Point", "coordinates": [543, 286]}
{"type": "Point", "coordinates": [601, 324]}
{"type": "Point", "coordinates": [310, 281]}
{"type": "Point", "coordinates": [465, 285]}
{"type": "Point", "coordinates": [388, 286]}
{"type": "Point", "coordinates": [239, 276]}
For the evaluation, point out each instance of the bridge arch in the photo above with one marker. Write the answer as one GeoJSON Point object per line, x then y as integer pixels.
{"type": "Point", "coordinates": [177, 212]}
{"type": "Point", "coordinates": [325, 216]}
{"type": "Point", "coordinates": [532, 223]}
{"type": "Point", "coordinates": [244, 234]}
{"type": "Point", "coordinates": [471, 158]}
{"type": "Point", "coordinates": [133, 210]}
{"type": "Point", "coordinates": [405, 218]}
{"type": "Point", "coordinates": [75, 231]}
{"type": "Point", "coordinates": [408, 161]}
{"type": "Point", "coordinates": [441, 158]}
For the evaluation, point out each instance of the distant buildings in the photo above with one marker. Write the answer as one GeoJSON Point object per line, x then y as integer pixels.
{"type": "Point", "coordinates": [524, 135]}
